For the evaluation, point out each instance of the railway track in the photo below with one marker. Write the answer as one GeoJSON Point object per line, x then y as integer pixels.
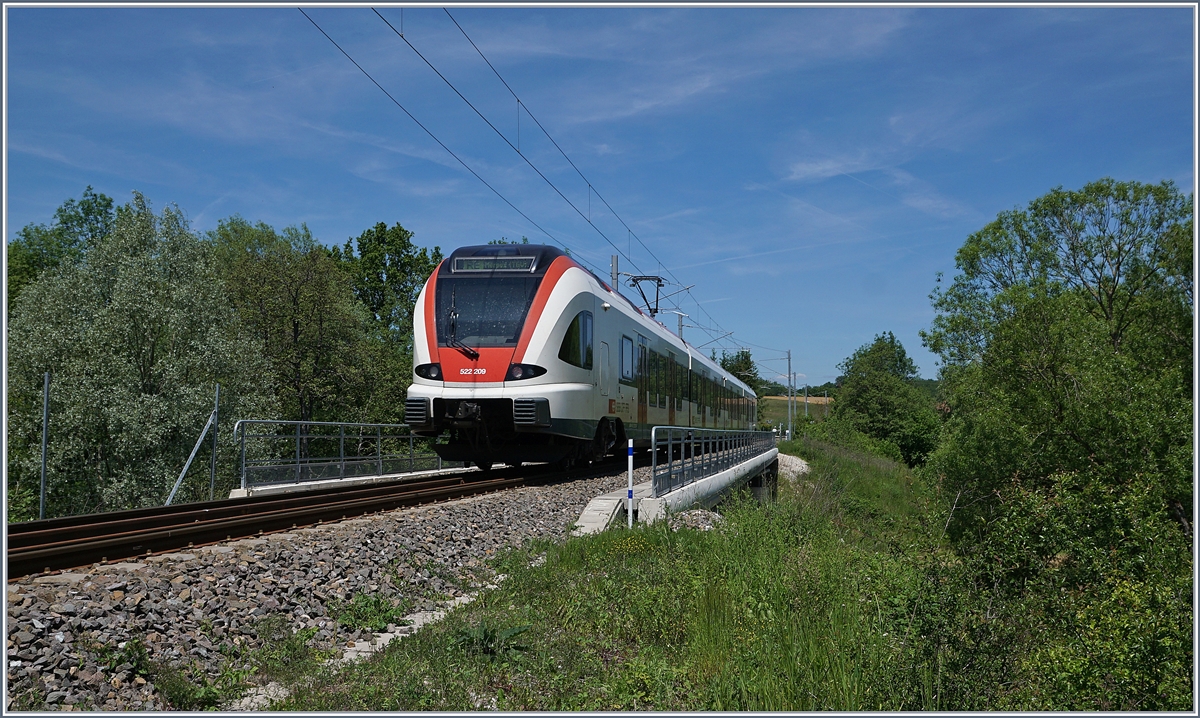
{"type": "Point", "coordinates": [73, 541]}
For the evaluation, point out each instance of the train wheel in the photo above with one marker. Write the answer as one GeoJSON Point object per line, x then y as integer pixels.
{"type": "Point", "coordinates": [484, 466]}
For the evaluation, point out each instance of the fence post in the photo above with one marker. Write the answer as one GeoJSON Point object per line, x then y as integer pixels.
{"type": "Point", "coordinates": [379, 449]}
{"type": "Point", "coordinates": [243, 449]}
{"type": "Point", "coordinates": [212, 467]}
{"type": "Point", "coordinates": [45, 428]}
{"type": "Point", "coordinates": [297, 452]}
{"type": "Point", "coordinates": [654, 485]}
{"type": "Point", "coordinates": [412, 457]}
{"type": "Point", "coordinates": [341, 450]}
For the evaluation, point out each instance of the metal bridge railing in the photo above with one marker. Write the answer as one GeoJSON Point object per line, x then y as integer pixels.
{"type": "Point", "coordinates": [285, 452]}
{"type": "Point", "coordinates": [683, 455]}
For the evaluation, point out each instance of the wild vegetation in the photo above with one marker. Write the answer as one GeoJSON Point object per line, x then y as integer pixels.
{"type": "Point", "coordinates": [1036, 555]}
{"type": "Point", "coordinates": [1067, 449]}
{"type": "Point", "coordinates": [1014, 536]}
{"type": "Point", "coordinates": [137, 318]}
{"type": "Point", "coordinates": [798, 605]}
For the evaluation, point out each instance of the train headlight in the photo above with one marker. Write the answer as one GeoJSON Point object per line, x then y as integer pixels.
{"type": "Point", "coordinates": [428, 371]}
{"type": "Point", "coordinates": [516, 372]}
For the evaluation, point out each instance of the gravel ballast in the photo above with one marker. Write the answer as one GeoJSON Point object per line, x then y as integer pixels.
{"type": "Point", "coordinates": [184, 605]}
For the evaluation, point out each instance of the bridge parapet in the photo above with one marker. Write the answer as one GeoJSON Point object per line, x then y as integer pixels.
{"type": "Point", "coordinates": [684, 455]}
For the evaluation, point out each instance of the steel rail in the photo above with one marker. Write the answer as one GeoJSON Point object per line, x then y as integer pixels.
{"type": "Point", "coordinates": [98, 538]}
{"type": "Point", "coordinates": [28, 534]}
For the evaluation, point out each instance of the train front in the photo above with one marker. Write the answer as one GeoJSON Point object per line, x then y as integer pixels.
{"type": "Point", "coordinates": [476, 377]}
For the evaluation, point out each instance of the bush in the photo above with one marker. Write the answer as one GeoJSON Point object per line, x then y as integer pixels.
{"type": "Point", "coordinates": [878, 397]}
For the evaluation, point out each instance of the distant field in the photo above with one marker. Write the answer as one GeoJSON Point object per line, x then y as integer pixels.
{"type": "Point", "coordinates": [776, 408]}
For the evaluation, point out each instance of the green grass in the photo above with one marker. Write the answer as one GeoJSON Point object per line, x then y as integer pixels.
{"type": "Point", "coordinates": [371, 611]}
{"type": "Point", "coordinates": [802, 604]}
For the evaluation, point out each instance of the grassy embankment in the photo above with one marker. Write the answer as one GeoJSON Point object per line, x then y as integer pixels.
{"type": "Point", "coordinates": [797, 605]}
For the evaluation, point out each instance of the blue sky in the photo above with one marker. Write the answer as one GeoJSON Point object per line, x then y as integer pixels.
{"type": "Point", "coordinates": [809, 170]}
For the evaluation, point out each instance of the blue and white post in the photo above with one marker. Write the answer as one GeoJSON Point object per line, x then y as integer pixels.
{"type": "Point", "coordinates": [629, 504]}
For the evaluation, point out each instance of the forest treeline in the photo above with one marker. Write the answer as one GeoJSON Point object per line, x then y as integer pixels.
{"type": "Point", "coordinates": [137, 317]}
{"type": "Point", "coordinates": [1060, 443]}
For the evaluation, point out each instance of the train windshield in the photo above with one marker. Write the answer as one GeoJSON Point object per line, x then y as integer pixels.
{"type": "Point", "coordinates": [489, 311]}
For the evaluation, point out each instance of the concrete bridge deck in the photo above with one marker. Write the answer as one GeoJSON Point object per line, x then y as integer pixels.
{"type": "Point", "coordinates": [605, 509]}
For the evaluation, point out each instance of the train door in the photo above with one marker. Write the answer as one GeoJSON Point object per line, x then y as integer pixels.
{"type": "Point", "coordinates": [642, 369]}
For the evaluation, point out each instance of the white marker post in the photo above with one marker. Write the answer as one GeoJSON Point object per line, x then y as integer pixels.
{"type": "Point", "coordinates": [629, 507]}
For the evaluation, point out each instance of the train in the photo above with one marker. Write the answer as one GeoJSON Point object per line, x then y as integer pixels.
{"type": "Point", "coordinates": [523, 355]}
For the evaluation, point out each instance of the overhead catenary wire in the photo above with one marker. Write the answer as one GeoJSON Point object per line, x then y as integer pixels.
{"type": "Point", "coordinates": [435, 138]}
{"type": "Point", "coordinates": [717, 336]}
{"type": "Point", "coordinates": [585, 216]}
{"type": "Point", "coordinates": [591, 187]}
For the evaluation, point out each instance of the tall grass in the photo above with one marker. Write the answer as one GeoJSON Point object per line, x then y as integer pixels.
{"type": "Point", "coordinates": [801, 604]}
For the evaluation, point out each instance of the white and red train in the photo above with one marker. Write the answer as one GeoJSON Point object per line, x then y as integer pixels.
{"type": "Point", "coordinates": [521, 354]}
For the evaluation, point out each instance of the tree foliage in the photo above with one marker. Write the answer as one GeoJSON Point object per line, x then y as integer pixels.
{"type": "Point", "coordinates": [1068, 452]}
{"type": "Point", "coordinates": [878, 396]}
{"type": "Point", "coordinates": [135, 334]}
{"type": "Point", "coordinates": [137, 318]}
{"type": "Point", "coordinates": [1067, 341]}
{"type": "Point", "coordinates": [299, 304]}
{"type": "Point", "coordinates": [37, 248]}
{"type": "Point", "coordinates": [387, 273]}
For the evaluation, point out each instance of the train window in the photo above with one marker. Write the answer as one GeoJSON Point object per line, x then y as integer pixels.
{"type": "Point", "coordinates": [627, 358]}
{"type": "Point", "coordinates": [483, 310]}
{"type": "Point", "coordinates": [664, 381]}
{"type": "Point", "coordinates": [660, 387]}
{"type": "Point", "coordinates": [577, 342]}
{"type": "Point", "coordinates": [651, 384]}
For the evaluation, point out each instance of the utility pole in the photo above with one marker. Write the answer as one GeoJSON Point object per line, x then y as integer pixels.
{"type": "Point", "coordinates": [806, 401]}
{"type": "Point", "coordinates": [614, 273]}
{"type": "Point", "coordinates": [795, 407]}
{"type": "Point", "coordinates": [789, 357]}
{"type": "Point", "coordinates": [681, 316]}
{"type": "Point", "coordinates": [45, 427]}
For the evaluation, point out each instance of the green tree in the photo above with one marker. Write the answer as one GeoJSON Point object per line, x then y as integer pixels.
{"type": "Point", "coordinates": [135, 334]}
{"type": "Point", "coordinates": [1067, 455]}
{"type": "Point", "coordinates": [299, 304]}
{"type": "Point", "coordinates": [37, 248]}
{"type": "Point", "coordinates": [387, 272]}
{"type": "Point", "coordinates": [1068, 333]}
{"type": "Point", "coordinates": [878, 395]}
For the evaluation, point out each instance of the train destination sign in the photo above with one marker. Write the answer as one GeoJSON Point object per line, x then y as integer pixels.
{"type": "Point", "coordinates": [493, 264]}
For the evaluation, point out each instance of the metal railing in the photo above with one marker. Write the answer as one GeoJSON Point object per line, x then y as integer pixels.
{"type": "Point", "coordinates": [683, 455]}
{"type": "Point", "coordinates": [302, 451]}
